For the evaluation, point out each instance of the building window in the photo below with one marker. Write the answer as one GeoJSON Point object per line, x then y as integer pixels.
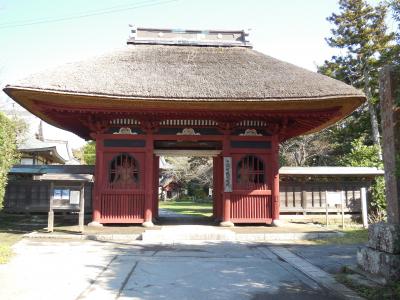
{"type": "Point", "coordinates": [124, 172]}
{"type": "Point", "coordinates": [250, 171]}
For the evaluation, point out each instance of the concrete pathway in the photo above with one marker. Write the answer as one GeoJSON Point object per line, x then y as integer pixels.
{"type": "Point", "coordinates": [169, 217]}
{"type": "Point", "coordinates": [330, 258]}
{"type": "Point", "coordinates": [166, 213]}
{"type": "Point", "coordinates": [195, 270]}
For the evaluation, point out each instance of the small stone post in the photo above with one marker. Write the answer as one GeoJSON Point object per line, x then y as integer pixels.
{"type": "Point", "coordinates": [381, 256]}
{"type": "Point", "coordinates": [364, 205]}
{"type": "Point", "coordinates": [82, 208]}
{"type": "Point", "coordinates": [50, 219]}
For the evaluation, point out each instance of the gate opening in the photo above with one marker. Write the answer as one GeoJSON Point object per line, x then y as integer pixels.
{"type": "Point", "coordinates": [186, 190]}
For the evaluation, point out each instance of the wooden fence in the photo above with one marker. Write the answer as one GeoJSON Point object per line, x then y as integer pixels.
{"type": "Point", "coordinates": [310, 197]}
{"type": "Point", "coordinates": [295, 197]}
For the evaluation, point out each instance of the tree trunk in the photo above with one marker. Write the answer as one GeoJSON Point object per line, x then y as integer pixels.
{"type": "Point", "coordinates": [372, 112]}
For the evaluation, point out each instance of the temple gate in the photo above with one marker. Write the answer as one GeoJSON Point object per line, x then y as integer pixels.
{"type": "Point", "coordinates": [126, 185]}
{"type": "Point", "coordinates": [187, 91]}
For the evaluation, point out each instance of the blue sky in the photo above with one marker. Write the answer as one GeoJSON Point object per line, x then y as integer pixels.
{"type": "Point", "coordinates": [290, 30]}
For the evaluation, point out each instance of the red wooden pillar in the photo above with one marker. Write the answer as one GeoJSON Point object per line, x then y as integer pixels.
{"type": "Point", "coordinates": [156, 184]}
{"type": "Point", "coordinates": [99, 173]}
{"type": "Point", "coordinates": [275, 181]}
{"type": "Point", "coordinates": [216, 189]}
{"type": "Point", "coordinates": [226, 195]}
{"type": "Point", "coordinates": [219, 183]}
{"type": "Point", "coordinates": [148, 170]}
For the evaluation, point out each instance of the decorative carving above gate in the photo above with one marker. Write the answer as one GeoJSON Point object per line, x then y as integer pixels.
{"type": "Point", "coordinates": [188, 131]}
{"type": "Point", "coordinates": [250, 132]}
{"type": "Point", "coordinates": [124, 130]}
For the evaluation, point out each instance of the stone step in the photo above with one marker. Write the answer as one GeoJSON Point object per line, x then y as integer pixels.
{"type": "Point", "coordinates": [188, 233]}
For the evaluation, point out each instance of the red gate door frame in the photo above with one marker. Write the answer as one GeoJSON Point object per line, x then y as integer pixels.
{"type": "Point", "coordinates": [251, 196]}
{"type": "Point", "coordinates": [120, 179]}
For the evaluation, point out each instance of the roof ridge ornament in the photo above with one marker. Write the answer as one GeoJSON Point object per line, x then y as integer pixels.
{"type": "Point", "coordinates": [184, 37]}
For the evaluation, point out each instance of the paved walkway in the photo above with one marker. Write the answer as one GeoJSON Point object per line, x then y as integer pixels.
{"type": "Point", "coordinates": [330, 258]}
{"type": "Point", "coordinates": [167, 213]}
{"type": "Point", "coordinates": [202, 270]}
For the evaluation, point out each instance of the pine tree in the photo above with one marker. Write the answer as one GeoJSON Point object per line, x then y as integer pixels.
{"type": "Point", "coordinates": [394, 55]}
{"type": "Point", "coordinates": [360, 31]}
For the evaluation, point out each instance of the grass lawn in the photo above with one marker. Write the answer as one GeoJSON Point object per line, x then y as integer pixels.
{"type": "Point", "coordinates": [6, 241]}
{"type": "Point", "coordinates": [188, 208]}
{"type": "Point", "coordinates": [359, 235]}
{"type": "Point", "coordinates": [387, 292]}
{"type": "Point", "coordinates": [12, 228]}
{"type": "Point", "coordinates": [352, 235]}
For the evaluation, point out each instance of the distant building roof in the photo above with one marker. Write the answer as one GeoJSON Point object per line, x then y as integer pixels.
{"type": "Point", "coordinates": [65, 151]}
{"type": "Point", "coordinates": [61, 169]}
{"type": "Point", "coordinates": [35, 145]}
{"type": "Point", "coordinates": [66, 177]}
{"type": "Point", "coordinates": [331, 171]}
{"type": "Point", "coordinates": [52, 169]}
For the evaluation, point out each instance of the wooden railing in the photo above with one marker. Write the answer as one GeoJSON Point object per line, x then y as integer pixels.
{"type": "Point", "coordinates": [122, 206]}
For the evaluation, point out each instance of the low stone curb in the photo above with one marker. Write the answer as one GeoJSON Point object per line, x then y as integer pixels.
{"type": "Point", "coordinates": [240, 237]}
{"type": "Point", "coordinates": [290, 236]}
{"type": "Point", "coordinates": [93, 237]}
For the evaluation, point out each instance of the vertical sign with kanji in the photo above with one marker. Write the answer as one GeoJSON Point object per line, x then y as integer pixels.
{"type": "Point", "coordinates": [227, 174]}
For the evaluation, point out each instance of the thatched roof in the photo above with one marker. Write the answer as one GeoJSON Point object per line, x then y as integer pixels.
{"type": "Point", "coordinates": [166, 72]}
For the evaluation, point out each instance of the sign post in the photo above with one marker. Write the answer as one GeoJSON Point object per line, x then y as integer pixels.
{"type": "Point", "coordinates": [67, 198]}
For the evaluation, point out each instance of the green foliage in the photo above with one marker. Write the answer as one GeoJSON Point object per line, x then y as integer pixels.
{"type": "Point", "coordinates": [359, 30]}
{"type": "Point", "coordinates": [362, 155]}
{"type": "Point", "coordinates": [350, 236]}
{"type": "Point", "coordinates": [8, 150]}
{"type": "Point", "coordinates": [342, 135]}
{"type": "Point", "coordinates": [370, 292]}
{"type": "Point", "coordinates": [89, 153]}
{"type": "Point", "coordinates": [195, 189]}
{"type": "Point", "coordinates": [378, 202]}
{"type": "Point", "coordinates": [395, 53]}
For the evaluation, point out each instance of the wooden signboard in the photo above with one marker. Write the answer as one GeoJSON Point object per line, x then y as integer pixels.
{"type": "Point", "coordinates": [227, 174]}
{"type": "Point", "coordinates": [66, 198]}
{"type": "Point", "coordinates": [333, 199]}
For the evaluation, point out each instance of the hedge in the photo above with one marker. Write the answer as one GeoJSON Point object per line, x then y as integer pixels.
{"type": "Point", "coordinates": [8, 151]}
